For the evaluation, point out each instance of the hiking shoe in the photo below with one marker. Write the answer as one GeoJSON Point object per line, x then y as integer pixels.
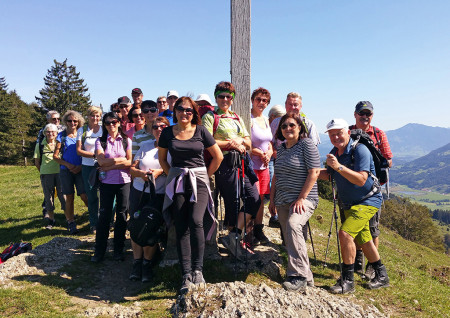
{"type": "Point", "coordinates": [50, 223]}
{"type": "Point", "coordinates": [198, 280]}
{"type": "Point", "coordinates": [186, 283]}
{"type": "Point", "coordinates": [240, 252]}
{"type": "Point", "coordinates": [370, 272]}
{"type": "Point", "coordinates": [359, 262]}
{"type": "Point", "coordinates": [44, 213]}
{"type": "Point", "coordinates": [147, 271]}
{"type": "Point", "coordinates": [259, 236]}
{"type": "Point", "coordinates": [118, 256]}
{"type": "Point", "coordinates": [295, 283]}
{"type": "Point", "coordinates": [343, 286]}
{"type": "Point", "coordinates": [136, 272]}
{"type": "Point", "coordinates": [381, 278]}
{"type": "Point", "coordinates": [273, 221]}
{"type": "Point", "coordinates": [72, 228]}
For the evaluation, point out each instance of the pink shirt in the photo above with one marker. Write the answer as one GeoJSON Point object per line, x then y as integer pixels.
{"type": "Point", "coordinates": [114, 149]}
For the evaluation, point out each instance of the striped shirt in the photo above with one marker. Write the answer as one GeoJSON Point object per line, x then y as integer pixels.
{"type": "Point", "coordinates": [291, 170]}
{"type": "Point", "coordinates": [140, 137]}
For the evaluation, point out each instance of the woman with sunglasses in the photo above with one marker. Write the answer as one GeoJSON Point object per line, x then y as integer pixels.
{"type": "Point", "coordinates": [70, 173]}
{"type": "Point", "coordinates": [146, 162]}
{"type": "Point", "coordinates": [187, 202]}
{"type": "Point", "coordinates": [144, 135]}
{"type": "Point", "coordinates": [113, 152]}
{"type": "Point", "coordinates": [234, 141]}
{"type": "Point", "coordinates": [86, 137]}
{"type": "Point", "coordinates": [135, 116]}
{"type": "Point", "coordinates": [294, 195]}
{"type": "Point", "coordinates": [49, 173]}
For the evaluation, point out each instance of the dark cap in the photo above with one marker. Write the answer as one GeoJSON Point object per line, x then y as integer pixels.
{"type": "Point", "coordinates": [363, 105]}
{"type": "Point", "coordinates": [136, 91]}
{"type": "Point", "coordinates": [123, 100]}
{"type": "Point", "coordinates": [148, 104]}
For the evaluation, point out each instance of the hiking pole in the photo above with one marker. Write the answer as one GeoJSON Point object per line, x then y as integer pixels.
{"type": "Point", "coordinates": [236, 225]}
{"type": "Point", "coordinates": [312, 243]}
{"type": "Point", "coordinates": [337, 233]}
{"type": "Point", "coordinates": [243, 207]}
{"type": "Point", "coordinates": [329, 233]}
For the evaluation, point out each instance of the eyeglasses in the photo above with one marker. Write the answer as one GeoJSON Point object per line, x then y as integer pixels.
{"type": "Point", "coordinates": [51, 132]}
{"type": "Point", "coordinates": [172, 97]}
{"type": "Point", "coordinates": [151, 110]}
{"type": "Point", "coordinates": [56, 119]}
{"type": "Point", "coordinates": [291, 125]}
{"type": "Point", "coordinates": [365, 113]}
{"type": "Point", "coordinates": [117, 111]}
{"type": "Point", "coordinates": [162, 102]}
{"type": "Point", "coordinates": [181, 109]}
{"type": "Point", "coordinates": [155, 127]}
{"type": "Point", "coordinates": [259, 100]}
{"type": "Point", "coordinates": [137, 115]}
{"type": "Point", "coordinates": [112, 122]}
{"type": "Point", "coordinates": [220, 96]}
{"type": "Point", "coordinates": [72, 121]}
{"type": "Point", "coordinates": [123, 106]}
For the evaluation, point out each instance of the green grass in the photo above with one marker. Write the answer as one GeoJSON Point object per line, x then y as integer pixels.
{"type": "Point", "coordinates": [423, 197]}
{"type": "Point", "coordinates": [419, 276]}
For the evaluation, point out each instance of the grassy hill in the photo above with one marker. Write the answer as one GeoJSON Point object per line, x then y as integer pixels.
{"type": "Point", "coordinates": [419, 276]}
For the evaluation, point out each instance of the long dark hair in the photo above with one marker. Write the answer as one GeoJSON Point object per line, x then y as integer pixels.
{"type": "Point", "coordinates": [112, 115]}
{"type": "Point", "coordinates": [300, 123]}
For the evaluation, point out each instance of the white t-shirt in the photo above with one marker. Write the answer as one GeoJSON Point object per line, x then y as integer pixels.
{"type": "Point", "coordinates": [89, 143]}
{"type": "Point", "coordinates": [148, 159]}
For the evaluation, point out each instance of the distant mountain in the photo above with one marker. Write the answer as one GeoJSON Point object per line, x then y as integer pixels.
{"type": "Point", "coordinates": [407, 143]}
{"type": "Point", "coordinates": [428, 172]}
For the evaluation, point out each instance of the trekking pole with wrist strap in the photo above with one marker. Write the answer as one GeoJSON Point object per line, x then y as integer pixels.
{"type": "Point", "coordinates": [243, 207]}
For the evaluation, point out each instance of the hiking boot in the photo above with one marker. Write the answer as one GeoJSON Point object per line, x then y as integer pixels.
{"type": "Point", "coordinates": [381, 278]}
{"type": "Point", "coordinates": [370, 272]}
{"type": "Point", "coordinates": [359, 262]}
{"type": "Point", "coordinates": [233, 245]}
{"type": "Point", "coordinates": [186, 283]}
{"type": "Point", "coordinates": [345, 284]}
{"type": "Point", "coordinates": [198, 280]}
{"type": "Point", "coordinates": [295, 283]}
{"type": "Point", "coordinates": [273, 221]}
{"type": "Point", "coordinates": [136, 272]}
{"type": "Point", "coordinates": [72, 228]}
{"type": "Point", "coordinates": [259, 236]}
{"type": "Point", "coordinates": [50, 223]}
{"type": "Point", "coordinates": [118, 256]}
{"type": "Point", "coordinates": [147, 271]}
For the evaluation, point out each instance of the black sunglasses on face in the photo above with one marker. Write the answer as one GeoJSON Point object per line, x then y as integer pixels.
{"type": "Point", "coordinates": [224, 96]}
{"type": "Point", "coordinates": [151, 110]}
{"type": "Point", "coordinates": [72, 121]}
{"type": "Point", "coordinates": [112, 122]}
{"type": "Point", "coordinates": [365, 113]}
{"type": "Point", "coordinates": [123, 106]}
{"type": "Point", "coordinates": [137, 115]}
{"type": "Point", "coordinates": [182, 109]}
{"type": "Point", "coordinates": [291, 125]}
{"type": "Point", "coordinates": [156, 127]}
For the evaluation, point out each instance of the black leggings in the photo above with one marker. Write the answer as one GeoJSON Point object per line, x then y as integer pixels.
{"type": "Point", "coordinates": [188, 219]}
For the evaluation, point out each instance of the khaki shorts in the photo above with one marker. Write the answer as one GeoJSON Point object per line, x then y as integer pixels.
{"type": "Point", "coordinates": [356, 222]}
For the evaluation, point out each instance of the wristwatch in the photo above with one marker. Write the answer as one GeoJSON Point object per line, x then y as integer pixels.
{"type": "Point", "coordinates": [340, 169]}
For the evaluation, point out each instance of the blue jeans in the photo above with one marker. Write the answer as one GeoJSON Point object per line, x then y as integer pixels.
{"type": "Point", "coordinates": [91, 194]}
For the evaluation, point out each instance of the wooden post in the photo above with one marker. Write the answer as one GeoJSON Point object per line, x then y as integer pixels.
{"type": "Point", "coordinates": [240, 57]}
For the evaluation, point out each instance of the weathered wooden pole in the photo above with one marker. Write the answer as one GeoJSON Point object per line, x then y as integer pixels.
{"type": "Point", "coordinates": [240, 57]}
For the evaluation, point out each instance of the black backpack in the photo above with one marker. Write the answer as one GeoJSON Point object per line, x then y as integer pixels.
{"type": "Point", "coordinates": [381, 163]}
{"type": "Point", "coordinates": [146, 224]}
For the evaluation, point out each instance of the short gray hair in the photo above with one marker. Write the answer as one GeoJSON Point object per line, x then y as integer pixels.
{"type": "Point", "coordinates": [277, 111]}
{"type": "Point", "coordinates": [50, 126]}
{"type": "Point", "coordinates": [51, 113]}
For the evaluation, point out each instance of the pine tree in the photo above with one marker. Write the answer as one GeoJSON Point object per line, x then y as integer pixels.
{"type": "Point", "coordinates": [64, 89]}
{"type": "Point", "coordinates": [3, 85]}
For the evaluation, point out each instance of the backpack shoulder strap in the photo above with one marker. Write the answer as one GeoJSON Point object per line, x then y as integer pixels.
{"type": "Point", "coordinates": [376, 132]}
{"type": "Point", "coordinates": [83, 136]}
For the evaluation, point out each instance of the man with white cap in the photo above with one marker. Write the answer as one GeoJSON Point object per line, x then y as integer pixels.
{"type": "Point", "coordinates": [352, 168]}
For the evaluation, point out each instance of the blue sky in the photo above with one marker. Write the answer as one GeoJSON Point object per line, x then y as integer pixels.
{"type": "Point", "coordinates": [395, 54]}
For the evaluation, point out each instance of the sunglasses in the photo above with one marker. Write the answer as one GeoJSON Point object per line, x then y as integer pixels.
{"type": "Point", "coordinates": [117, 111]}
{"type": "Point", "coordinates": [55, 119]}
{"type": "Point", "coordinates": [162, 102]}
{"type": "Point", "coordinates": [72, 121]}
{"type": "Point", "coordinates": [156, 127]}
{"type": "Point", "coordinates": [181, 109]}
{"type": "Point", "coordinates": [220, 96]}
{"type": "Point", "coordinates": [291, 125]}
{"type": "Point", "coordinates": [264, 100]}
{"type": "Point", "coordinates": [151, 110]}
{"type": "Point", "coordinates": [123, 106]}
{"type": "Point", "coordinates": [365, 113]}
{"type": "Point", "coordinates": [112, 122]}
{"type": "Point", "coordinates": [137, 115]}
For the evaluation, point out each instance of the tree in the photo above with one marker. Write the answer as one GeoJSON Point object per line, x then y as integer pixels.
{"type": "Point", "coordinates": [64, 89]}
{"type": "Point", "coordinates": [3, 85]}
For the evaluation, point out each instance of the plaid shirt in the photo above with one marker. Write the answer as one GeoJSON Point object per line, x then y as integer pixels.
{"type": "Point", "coordinates": [382, 143]}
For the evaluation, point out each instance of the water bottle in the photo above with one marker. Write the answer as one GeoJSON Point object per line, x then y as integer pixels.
{"type": "Point", "coordinates": [102, 175]}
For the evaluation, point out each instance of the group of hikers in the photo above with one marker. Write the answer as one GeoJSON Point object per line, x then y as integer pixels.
{"type": "Point", "coordinates": [190, 150]}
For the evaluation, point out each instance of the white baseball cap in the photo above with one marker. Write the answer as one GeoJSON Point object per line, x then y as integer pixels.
{"type": "Point", "coordinates": [204, 97]}
{"type": "Point", "coordinates": [172, 93]}
{"type": "Point", "coordinates": [337, 123]}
